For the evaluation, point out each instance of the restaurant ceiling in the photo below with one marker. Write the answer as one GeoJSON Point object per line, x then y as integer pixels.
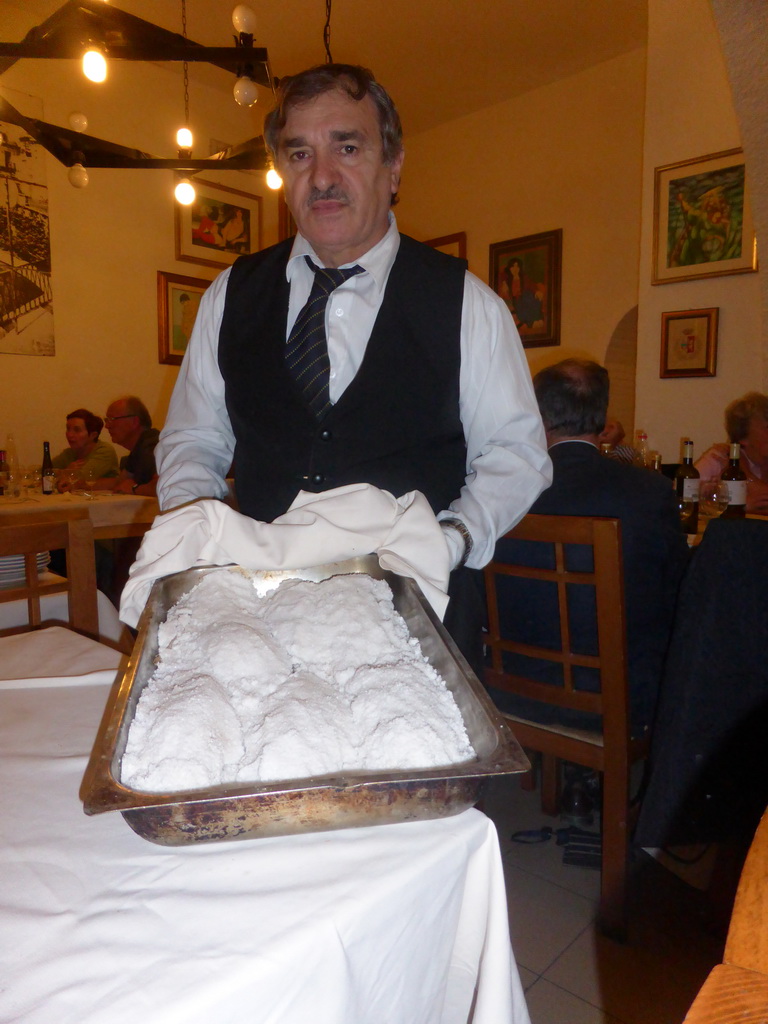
{"type": "Point", "coordinates": [440, 59]}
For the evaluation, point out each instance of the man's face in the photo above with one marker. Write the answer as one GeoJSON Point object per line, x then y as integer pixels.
{"type": "Point", "coordinates": [119, 424]}
{"type": "Point", "coordinates": [336, 184]}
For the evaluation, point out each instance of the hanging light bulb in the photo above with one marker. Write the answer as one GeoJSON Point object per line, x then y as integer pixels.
{"type": "Point", "coordinates": [77, 174]}
{"type": "Point", "coordinates": [244, 19]}
{"type": "Point", "coordinates": [184, 138]}
{"type": "Point", "coordinates": [185, 192]}
{"type": "Point", "coordinates": [274, 181]}
{"type": "Point", "coordinates": [245, 91]}
{"type": "Point", "coordinates": [94, 66]}
{"type": "Point", "coordinates": [78, 122]}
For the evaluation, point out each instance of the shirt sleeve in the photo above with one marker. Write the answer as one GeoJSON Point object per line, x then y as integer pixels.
{"type": "Point", "coordinates": [507, 461]}
{"type": "Point", "coordinates": [102, 461]}
{"type": "Point", "coordinates": [196, 444]}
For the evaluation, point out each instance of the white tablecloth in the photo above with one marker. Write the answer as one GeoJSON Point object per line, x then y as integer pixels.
{"type": "Point", "coordinates": [397, 924]}
{"type": "Point", "coordinates": [110, 514]}
{"type": "Point", "coordinates": [55, 656]}
{"type": "Point", "coordinates": [55, 608]}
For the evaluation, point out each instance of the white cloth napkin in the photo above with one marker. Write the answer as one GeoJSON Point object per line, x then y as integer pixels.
{"type": "Point", "coordinates": [345, 522]}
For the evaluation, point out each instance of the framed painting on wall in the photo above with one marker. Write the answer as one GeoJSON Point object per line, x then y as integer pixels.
{"type": "Point", "coordinates": [526, 272]}
{"type": "Point", "coordinates": [702, 221]}
{"type": "Point", "coordinates": [453, 245]}
{"type": "Point", "coordinates": [220, 225]}
{"type": "Point", "coordinates": [178, 299]}
{"type": "Point", "coordinates": [689, 343]}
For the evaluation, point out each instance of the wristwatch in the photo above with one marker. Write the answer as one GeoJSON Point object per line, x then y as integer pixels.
{"type": "Point", "coordinates": [466, 536]}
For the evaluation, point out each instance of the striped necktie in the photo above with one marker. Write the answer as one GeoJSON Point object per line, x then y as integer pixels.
{"type": "Point", "coordinates": [306, 353]}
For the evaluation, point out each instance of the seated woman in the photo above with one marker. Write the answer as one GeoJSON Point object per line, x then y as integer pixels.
{"type": "Point", "coordinates": [746, 421]}
{"type": "Point", "coordinates": [87, 457]}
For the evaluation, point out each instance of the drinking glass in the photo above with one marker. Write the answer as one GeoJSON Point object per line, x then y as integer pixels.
{"type": "Point", "coordinates": [713, 498]}
{"type": "Point", "coordinates": [89, 478]}
{"type": "Point", "coordinates": [65, 479]}
{"type": "Point", "coordinates": [31, 481]}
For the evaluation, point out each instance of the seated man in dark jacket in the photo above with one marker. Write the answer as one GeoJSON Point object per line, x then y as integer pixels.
{"type": "Point", "coordinates": [573, 400]}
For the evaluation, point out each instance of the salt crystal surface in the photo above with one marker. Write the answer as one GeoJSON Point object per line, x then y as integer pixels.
{"type": "Point", "coordinates": [307, 680]}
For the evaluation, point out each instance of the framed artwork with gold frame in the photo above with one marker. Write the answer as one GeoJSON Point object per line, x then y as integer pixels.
{"type": "Point", "coordinates": [702, 219]}
{"type": "Point", "coordinates": [453, 245]}
{"type": "Point", "coordinates": [689, 342]}
{"type": "Point", "coordinates": [221, 224]}
{"type": "Point", "coordinates": [526, 273]}
{"type": "Point", "coordinates": [178, 299]}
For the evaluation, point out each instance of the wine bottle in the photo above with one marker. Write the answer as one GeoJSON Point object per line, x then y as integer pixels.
{"type": "Point", "coordinates": [49, 478]}
{"type": "Point", "coordinates": [641, 449]}
{"type": "Point", "coordinates": [736, 479]}
{"type": "Point", "coordinates": [687, 487]}
{"type": "Point", "coordinates": [3, 472]}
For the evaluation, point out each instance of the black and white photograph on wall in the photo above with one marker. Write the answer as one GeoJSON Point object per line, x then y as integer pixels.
{"type": "Point", "coordinates": [26, 307]}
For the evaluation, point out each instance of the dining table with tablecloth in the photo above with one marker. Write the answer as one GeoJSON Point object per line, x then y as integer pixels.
{"type": "Point", "coordinates": [388, 924]}
{"type": "Point", "coordinates": [112, 515]}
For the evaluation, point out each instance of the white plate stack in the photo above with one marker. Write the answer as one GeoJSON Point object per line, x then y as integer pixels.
{"type": "Point", "coordinates": [12, 568]}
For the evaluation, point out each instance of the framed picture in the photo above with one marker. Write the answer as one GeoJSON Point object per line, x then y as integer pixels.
{"type": "Point", "coordinates": [220, 225]}
{"type": "Point", "coordinates": [178, 299]}
{"type": "Point", "coordinates": [453, 245]}
{"type": "Point", "coordinates": [526, 272]}
{"type": "Point", "coordinates": [702, 221]}
{"type": "Point", "coordinates": [689, 343]}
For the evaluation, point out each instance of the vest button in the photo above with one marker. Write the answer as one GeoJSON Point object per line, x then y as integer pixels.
{"type": "Point", "coordinates": [317, 478]}
{"type": "Point", "coordinates": [326, 435]}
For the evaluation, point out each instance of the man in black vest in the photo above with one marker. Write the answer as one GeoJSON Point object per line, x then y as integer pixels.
{"type": "Point", "coordinates": [422, 383]}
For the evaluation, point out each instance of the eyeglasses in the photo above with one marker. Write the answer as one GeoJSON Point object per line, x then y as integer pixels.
{"type": "Point", "coordinates": [111, 419]}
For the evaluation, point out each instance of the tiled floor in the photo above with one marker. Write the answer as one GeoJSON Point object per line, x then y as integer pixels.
{"type": "Point", "coordinates": [572, 974]}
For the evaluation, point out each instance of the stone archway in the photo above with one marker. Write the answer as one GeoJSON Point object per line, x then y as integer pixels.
{"type": "Point", "coordinates": [621, 363]}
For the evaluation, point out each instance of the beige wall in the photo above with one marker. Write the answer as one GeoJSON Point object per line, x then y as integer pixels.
{"type": "Point", "coordinates": [107, 243]}
{"type": "Point", "coordinates": [564, 156]}
{"type": "Point", "coordinates": [578, 155]}
{"type": "Point", "coordinates": [689, 113]}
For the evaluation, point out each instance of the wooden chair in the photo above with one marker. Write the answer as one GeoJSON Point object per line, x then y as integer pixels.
{"type": "Point", "coordinates": [610, 751]}
{"type": "Point", "coordinates": [737, 990]}
{"type": "Point", "coordinates": [32, 532]}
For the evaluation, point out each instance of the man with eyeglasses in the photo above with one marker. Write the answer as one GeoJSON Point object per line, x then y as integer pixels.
{"type": "Point", "coordinates": [130, 425]}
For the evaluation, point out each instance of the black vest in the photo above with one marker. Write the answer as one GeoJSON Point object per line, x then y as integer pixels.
{"type": "Point", "coordinates": [396, 426]}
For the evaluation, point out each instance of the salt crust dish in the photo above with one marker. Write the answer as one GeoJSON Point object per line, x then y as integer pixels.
{"type": "Point", "coordinates": [309, 679]}
{"type": "Point", "coordinates": [351, 799]}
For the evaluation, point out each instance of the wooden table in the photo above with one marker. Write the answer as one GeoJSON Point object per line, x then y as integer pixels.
{"type": "Point", "coordinates": [112, 515]}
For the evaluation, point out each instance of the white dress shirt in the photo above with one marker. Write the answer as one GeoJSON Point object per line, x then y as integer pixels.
{"type": "Point", "coordinates": [507, 461]}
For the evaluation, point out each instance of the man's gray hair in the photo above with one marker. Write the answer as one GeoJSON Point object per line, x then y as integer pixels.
{"type": "Point", "coordinates": [740, 413]}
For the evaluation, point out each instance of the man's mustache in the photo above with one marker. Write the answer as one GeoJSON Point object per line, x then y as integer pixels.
{"type": "Point", "coordinates": [331, 194]}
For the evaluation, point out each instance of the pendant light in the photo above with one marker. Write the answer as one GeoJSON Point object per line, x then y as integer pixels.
{"type": "Point", "coordinates": [185, 190]}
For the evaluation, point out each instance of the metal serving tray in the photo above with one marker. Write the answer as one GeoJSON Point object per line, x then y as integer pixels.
{"type": "Point", "coordinates": [322, 803]}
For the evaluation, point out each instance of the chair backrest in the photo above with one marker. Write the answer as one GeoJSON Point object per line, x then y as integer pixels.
{"type": "Point", "coordinates": [547, 557]}
{"type": "Point", "coordinates": [31, 532]}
